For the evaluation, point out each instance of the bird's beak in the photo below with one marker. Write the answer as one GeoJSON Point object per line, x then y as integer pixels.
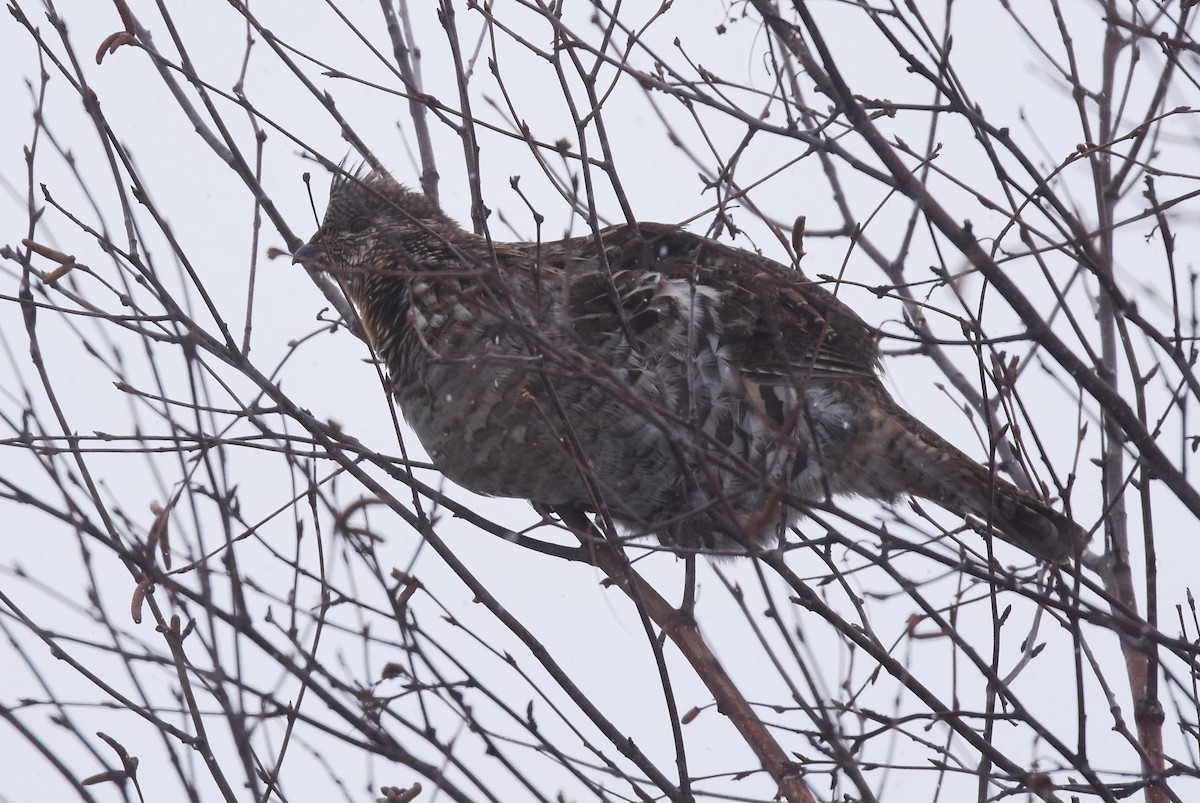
{"type": "Point", "coordinates": [310, 255]}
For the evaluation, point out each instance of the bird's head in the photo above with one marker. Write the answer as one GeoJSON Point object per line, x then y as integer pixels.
{"type": "Point", "coordinates": [373, 226]}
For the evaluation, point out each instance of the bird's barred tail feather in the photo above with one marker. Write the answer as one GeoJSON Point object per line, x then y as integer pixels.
{"type": "Point", "coordinates": [939, 472]}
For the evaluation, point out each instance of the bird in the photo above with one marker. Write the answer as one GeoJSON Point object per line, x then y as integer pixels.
{"type": "Point", "coordinates": [663, 381]}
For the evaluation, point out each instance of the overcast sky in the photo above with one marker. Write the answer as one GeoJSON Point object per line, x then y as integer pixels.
{"type": "Point", "coordinates": [592, 631]}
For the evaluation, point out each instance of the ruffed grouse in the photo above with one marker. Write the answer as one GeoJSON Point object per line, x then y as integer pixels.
{"type": "Point", "coordinates": [683, 388]}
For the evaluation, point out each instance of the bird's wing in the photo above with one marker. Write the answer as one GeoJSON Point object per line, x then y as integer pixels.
{"type": "Point", "coordinates": [778, 326]}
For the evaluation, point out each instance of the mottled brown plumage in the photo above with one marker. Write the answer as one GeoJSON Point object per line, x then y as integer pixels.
{"type": "Point", "coordinates": [687, 389]}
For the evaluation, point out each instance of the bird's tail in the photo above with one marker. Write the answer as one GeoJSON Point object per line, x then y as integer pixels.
{"type": "Point", "coordinates": [937, 471]}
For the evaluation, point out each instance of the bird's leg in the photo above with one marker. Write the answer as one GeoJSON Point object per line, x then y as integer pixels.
{"type": "Point", "coordinates": [576, 520]}
{"type": "Point", "coordinates": [688, 606]}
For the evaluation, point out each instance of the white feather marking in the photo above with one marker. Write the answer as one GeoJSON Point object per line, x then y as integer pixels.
{"type": "Point", "coordinates": [688, 294]}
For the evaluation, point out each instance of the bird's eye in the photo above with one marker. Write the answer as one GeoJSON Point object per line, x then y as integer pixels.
{"type": "Point", "coordinates": [359, 225]}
